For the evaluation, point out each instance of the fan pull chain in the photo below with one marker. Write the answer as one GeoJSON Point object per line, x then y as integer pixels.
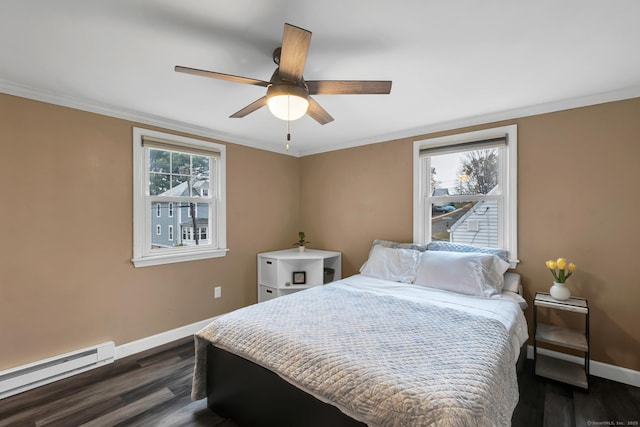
{"type": "Point", "coordinates": [288, 134]}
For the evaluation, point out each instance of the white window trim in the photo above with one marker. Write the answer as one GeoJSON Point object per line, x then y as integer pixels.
{"type": "Point", "coordinates": [421, 227]}
{"type": "Point", "coordinates": [143, 257]}
{"type": "Point", "coordinates": [170, 233]}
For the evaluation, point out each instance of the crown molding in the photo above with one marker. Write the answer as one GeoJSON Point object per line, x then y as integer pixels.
{"type": "Point", "coordinates": [24, 91]}
{"type": "Point", "coordinates": [516, 113]}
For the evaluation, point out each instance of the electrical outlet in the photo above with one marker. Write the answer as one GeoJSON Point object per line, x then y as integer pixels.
{"type": "Point", "coordinates": [217, 292]}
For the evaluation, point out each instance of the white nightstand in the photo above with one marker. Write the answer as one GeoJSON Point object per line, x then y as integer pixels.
{"type": "Point", "coordinates": [553, 368]}
{"type": "Point", "coordinates": [287, 271]}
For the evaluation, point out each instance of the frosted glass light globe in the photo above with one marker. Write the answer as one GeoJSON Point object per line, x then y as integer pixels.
{"type": "Point", "coordinates": [287, 102]}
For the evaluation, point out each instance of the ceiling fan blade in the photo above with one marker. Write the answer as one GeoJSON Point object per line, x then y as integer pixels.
{"type": "Point", "coordinates": [255, 105]}
{"type": "Point", "coordinates": [318, 113]}
{"type": "Point", "coordinates": [221, 76]}
{"type": "Point", "coordinates": [293, 55]}
{"type": "Point", "coordinates": [349, 87]}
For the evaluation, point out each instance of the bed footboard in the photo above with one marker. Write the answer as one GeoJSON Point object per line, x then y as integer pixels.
{"type": "Point", "coordinates": [251, 395]}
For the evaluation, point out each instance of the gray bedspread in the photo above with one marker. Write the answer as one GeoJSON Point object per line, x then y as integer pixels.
{"type": "Point", "coordinates": [381, 360]}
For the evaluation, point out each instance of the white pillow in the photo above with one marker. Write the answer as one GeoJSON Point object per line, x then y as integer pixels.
{"type": "Point", "coordinates": [465, 273]}
{"type": "Point", "coordinates": [396, 265]}
{"type": "Point", "coordinates": [512, 283]}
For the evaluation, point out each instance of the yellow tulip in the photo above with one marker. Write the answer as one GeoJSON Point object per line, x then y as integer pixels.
{"type": "Point", "coordinates": [561, 263]}
{"type": "Point", "coordinates": [551, 265]}
{"type": "Point", "coordinates": [572, 266]}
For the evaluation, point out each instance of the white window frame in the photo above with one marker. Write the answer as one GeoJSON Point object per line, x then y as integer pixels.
{"type": "Point", "coordinates": [143, 253]}
{"type": "Point", "coordinates": [170, 233]}
{"type": "Point", "coordinates": [508, 218]}
{"type": "Point", "coordinates": [170, 208]}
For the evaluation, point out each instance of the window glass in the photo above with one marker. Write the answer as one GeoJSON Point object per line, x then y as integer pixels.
{"type": "Point", "coordinates": [467, 172]}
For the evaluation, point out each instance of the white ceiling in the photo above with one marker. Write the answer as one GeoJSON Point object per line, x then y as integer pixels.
{"type": "Point", "coordinates": [452, 63]}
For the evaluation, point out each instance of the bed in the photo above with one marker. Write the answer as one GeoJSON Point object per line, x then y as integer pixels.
{"type": "Point", "coordinates": [367, 350]}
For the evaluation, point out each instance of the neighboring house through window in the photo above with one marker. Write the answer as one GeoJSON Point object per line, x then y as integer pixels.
{"type": "Point", "coordinates": [186, 178]}
{"type": "Point", "coordinates": [465, 189]}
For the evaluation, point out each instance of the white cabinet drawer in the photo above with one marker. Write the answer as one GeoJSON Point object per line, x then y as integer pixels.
{"type": "Point", "coordinates": [265, 293]}
{"type": "Point", "coordinates": [268, 269]}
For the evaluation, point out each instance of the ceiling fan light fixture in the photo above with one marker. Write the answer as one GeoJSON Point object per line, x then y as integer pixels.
{"type": "Point", "coordinates": [287, 102]}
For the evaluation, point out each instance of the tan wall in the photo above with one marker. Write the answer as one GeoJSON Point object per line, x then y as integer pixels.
{"type": "Point", "coordinates": [66, 280]}
{"type": "Point", "coordinates": [66, 216]}
{"type": "Point", "coordinates": [578, 198]}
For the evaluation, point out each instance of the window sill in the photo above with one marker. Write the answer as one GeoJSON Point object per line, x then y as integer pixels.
{"type": "Point", "coordinates": [160, 259]}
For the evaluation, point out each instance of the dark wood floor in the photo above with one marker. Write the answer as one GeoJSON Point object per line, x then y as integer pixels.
{"type": "Point", "coordinates": [549, 403]}
{"type": "Point", "coordinates": [153, 389]}
{"type": "Point", "coordinates": [148, 389]}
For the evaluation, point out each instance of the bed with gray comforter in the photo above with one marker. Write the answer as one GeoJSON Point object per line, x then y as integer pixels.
{"type": "Point", "coordinates": [380, 359]}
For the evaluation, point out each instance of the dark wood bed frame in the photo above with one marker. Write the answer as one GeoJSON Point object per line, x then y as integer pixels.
{"type": "Point", "coordinates": [251, 395]}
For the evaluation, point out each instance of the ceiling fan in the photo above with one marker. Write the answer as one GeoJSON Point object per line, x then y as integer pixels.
{"type": "Point", "coordinates": [288, 94]}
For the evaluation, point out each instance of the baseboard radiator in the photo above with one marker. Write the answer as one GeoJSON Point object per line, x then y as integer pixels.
{"type": "Point", "coordinates": [25, 377]}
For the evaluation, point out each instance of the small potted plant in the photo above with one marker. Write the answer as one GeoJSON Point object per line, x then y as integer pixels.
{"type": "Point", "coordinates": [301, 241]}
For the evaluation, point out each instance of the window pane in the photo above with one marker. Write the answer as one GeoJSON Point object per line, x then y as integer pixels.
{"type": "Point", "coordinates": [159, 160]}
{"type": "Point", "coordinates": [158, 183]}
{"type": "Point", "coordinates": [179, 186]}
{"type": "Point", "coordinates": [200, 165]}
{"type": "Point", "coordinates": [466, 172]}
{"type": "Point", "coordinates": [472, 223]}
{"type": "Point", "coordinates": [174, 173]}
{"type": "Point", "coordinates": [199, 187]}
{"type": "Point", "coordinates": [180, 163]}
{"type": "Point", "coordinates": [192, 230]}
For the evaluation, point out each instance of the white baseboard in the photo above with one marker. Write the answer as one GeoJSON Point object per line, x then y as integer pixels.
{"type": "Point", "coordinates": [147, 343]}
{"type": "Point", "coordinates": [598, 369]}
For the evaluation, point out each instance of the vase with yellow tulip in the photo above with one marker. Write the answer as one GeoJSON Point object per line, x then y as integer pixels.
{"type": "Point", "coordinates": [561, 272]}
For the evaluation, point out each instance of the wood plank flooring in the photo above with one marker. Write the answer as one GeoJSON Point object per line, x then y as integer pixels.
{"type": "Point", "coordinates": [148, 389]}
{"type": "Point", "coordinates": [153, 389]}
{"type": "Point", "coordinates": [549, 403]}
